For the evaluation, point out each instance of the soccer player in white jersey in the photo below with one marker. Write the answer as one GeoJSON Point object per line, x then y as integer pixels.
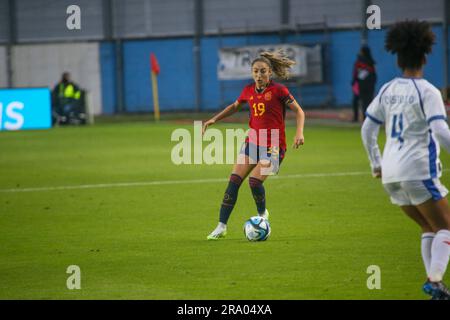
{"type": "Point", "coordinates": [415, 122]}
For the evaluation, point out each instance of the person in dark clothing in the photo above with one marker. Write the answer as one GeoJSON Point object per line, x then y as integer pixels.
{"type": "Point", "coordinates": [363, 81]}
{"type": "Point", "coordinates": [66, 100]}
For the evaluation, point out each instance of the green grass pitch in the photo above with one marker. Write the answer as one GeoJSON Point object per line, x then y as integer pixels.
{"type": "Point", "coordinates": [149, 241]}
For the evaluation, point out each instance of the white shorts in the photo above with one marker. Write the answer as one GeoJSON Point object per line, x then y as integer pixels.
{"type": "Point", "coordinates": [408, 193]}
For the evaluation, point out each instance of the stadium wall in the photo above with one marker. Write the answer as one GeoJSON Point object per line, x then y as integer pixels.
{"type": "Point", "coordinates": [151, 25]}
{"type": "Point", "coordinates": [37, 65]}
{"type": "Point", "coordinates": [176, 81]}
{"type": "Point", "coordinates": [387, 66]}
{"type": "Point", "coordinates": [108, 77]}
{"type": "Point", "coordinates": [3, 68]}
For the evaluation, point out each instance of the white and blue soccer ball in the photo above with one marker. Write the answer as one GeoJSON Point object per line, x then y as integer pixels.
{"type": "Point", "coordinates": [257, 229]}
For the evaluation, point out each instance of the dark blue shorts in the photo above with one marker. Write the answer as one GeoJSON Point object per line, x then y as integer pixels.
{"type": "Point", "coordinates": [257, 153]}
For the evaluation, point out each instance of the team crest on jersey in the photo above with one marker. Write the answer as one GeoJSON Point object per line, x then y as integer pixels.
{"type": "Point", "coordinates": [251, 98]}
{"type": "Point", "coordinates": [268, 96]}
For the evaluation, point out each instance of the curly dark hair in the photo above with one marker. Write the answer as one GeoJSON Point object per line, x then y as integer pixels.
{"type": "Point", "coordinates": [411, 40]}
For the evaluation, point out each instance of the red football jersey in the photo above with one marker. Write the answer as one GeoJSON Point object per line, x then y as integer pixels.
{"type": "Point", "coordinates": [267, 111]}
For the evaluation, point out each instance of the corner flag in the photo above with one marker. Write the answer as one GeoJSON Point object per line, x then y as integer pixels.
{"type": "Point", "coordinates": [155, 71]}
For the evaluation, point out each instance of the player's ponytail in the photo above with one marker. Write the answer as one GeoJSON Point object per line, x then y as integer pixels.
{"type": "Point", "coordinates": [277, 61]}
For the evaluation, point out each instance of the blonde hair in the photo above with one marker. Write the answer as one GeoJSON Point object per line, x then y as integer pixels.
{"type": "Point", "coordinates": [277, 61]}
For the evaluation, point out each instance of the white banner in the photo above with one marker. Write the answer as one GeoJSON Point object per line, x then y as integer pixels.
{"type": "Point", "coordinates": [235, 63]}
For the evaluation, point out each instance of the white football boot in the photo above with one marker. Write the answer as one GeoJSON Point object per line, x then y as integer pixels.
{"type": "Point", "coordinates": [219, 232]}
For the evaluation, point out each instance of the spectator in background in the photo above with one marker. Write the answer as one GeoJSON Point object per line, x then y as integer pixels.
{"type": "Point", "coordinates": [363, 81]}
{"type": "Point", "coordinates": [355, 100]}
{"type": "Point", "coordinates": [66, 99]}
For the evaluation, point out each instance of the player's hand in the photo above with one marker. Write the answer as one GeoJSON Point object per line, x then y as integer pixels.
{"type": "Point", "coordinates": [206, 124]}
{"type": "Point", "coordinates": [376, 173]}
{"type": "Point", "coordinates": [299, 140]}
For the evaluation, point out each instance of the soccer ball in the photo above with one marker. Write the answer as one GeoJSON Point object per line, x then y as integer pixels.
{"type": "Point", "coordinates": [257, 229]}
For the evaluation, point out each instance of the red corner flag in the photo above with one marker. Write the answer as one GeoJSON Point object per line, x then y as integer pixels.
{"type": "Point", "coordinates": [154, 73]}
{"type": "Point", "coordinates": [154, 63]}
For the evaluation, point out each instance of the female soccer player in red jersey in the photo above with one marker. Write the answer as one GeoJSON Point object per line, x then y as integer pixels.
{"type": "Point", "coordinates": [265, 146]}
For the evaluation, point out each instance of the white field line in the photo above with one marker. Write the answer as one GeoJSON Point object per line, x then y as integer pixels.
{"type": "Point", "coordinates": [174, 182]}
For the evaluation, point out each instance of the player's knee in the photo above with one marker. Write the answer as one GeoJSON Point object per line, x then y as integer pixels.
{"type": "Point", "coordinates": [265, 163]}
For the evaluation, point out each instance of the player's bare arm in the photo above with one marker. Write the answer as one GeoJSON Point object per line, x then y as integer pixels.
{"type": "Point", "coordinates": [228, 111]}
{"type": "Point", "coordinates": [299, 139]}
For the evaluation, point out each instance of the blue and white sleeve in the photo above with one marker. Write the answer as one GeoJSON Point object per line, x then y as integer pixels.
{"type": "Point", "coordinates": [375, 111]}
{"type": "Point", "coordinates": [369, 134]}
{"type": "Point", "coordinates": [442, 133]}
{"type": "Point", "coordinates": [434, 108]}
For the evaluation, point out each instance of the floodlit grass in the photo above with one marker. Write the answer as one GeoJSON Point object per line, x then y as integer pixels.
{"type": "Point", "coordinates": [149, 241]}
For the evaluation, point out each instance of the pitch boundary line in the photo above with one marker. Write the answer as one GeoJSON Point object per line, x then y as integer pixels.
{"type": "Point", "coordinates": [171, 182]}
{"type": "Point", "coordinates": [175, 182]}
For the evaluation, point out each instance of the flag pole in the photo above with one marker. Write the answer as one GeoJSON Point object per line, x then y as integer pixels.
{"type": "Point", "coordinates": [155, 95]}
{"type": "Point", "coordinates": [155, 71]}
